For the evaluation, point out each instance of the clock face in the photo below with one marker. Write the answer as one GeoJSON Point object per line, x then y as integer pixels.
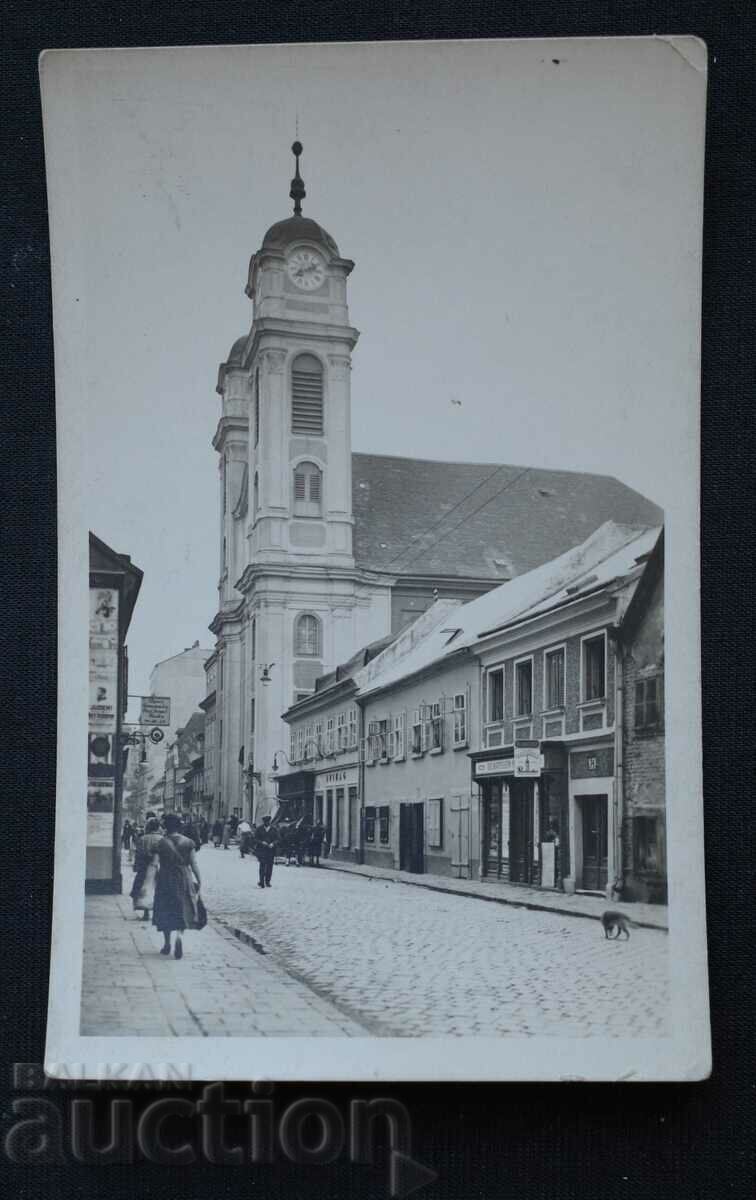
{"type": "Point", "coordinates": [306, 270]}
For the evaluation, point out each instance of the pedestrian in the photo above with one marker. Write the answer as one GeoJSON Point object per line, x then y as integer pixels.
{"type": "Point", "coordinates": [146, 868]}
{"type": "Point", "coordinates": [217, 832]}
{"type": "Point", "coordinates": [191, 831]}
{"type": "Point", "coordinates": [265, 849]}
{"type": "Point", "coordinates": [226, 833]}
{"type": "Point", "coordinates": [178, 905]}
{"type": "Point", "coordinates": [204, 830]}
{"type": "Point", "coordinates": [316, 843]}
{"type": "Point", "coordinates": [244, 829]}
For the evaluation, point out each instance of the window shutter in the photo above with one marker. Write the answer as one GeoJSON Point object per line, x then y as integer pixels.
{"type": "Point", "coordinates": [307, 396]}
{"type": "Point", "coordinates": [300, 480]}
{"type": "Point", "coordinates": [315, 487]}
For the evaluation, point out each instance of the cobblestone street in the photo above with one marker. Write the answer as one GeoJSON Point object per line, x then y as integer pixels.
{"type": "Point", "coordinates": [404, 961]}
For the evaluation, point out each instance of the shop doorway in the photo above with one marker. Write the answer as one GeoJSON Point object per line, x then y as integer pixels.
{"type": "Point", "coordinates": [594, 812]}
{"type": "Point", "coordinates": [495, 850]}
{"type": "Point", "coordinates": [522, 868]}
{"type": "Point", "coordinates": [412, 838]}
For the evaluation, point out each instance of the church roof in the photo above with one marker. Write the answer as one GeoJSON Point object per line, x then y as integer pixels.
{"type": "Point", "coordinates": [479, 520]}
{"type": "Point", "coordinates": [283, 233]}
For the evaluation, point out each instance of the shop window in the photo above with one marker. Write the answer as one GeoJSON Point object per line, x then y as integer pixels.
{"type": "Point", "coordinates": [496, 695]}
{"type": "Point", "coordinates": [384, 813]}
{"type": "Point", "coordinates": [308, 490]}
{"type": "Point", "coordinates": [308, 640]}
{"type": "Point", "coordinates": [594, 668]}
{"type": "Point", "coordinates": [649, 703]}
{"type": "Point", "coordinates": [647, 844]}
{"type": "Point", "coordinates": [524, 688]}
{"type": "Point", "coordinates": [554, 674]}
{"type": "Point", "coordinates": [435, 824]}
{"type": "Point", "coordinates": [307, 396]}
{"type": "Point", "coordinates": [370, 825]}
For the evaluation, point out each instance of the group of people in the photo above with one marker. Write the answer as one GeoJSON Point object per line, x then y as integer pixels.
{"type": "Point", "coordinates": [166, 877]}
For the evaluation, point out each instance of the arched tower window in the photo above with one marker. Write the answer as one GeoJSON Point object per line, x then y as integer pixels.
{"type": "Point", "coordinates": [308, 490]}
{"type": "Point", "coordinates": [308, 636]}
{"type": "Point", "coordinates": [307, 396]}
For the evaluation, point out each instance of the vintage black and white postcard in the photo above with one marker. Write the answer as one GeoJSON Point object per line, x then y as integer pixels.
{"type": "Point", "coordinates": [378, 390]}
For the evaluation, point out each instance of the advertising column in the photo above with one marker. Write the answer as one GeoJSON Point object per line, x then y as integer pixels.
{"type": "Point", "coordinates": [102, 739]}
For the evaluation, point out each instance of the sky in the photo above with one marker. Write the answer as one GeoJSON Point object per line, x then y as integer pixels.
{"type": "Point", "coordinates": [526, 239]}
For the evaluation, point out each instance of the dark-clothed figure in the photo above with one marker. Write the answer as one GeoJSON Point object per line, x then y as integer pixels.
{"type": "Point", "coordinates": [204, 831]}
{"type": "Point", "coordinates": [217, 833]}
{"type": "Point", "coordinates": [316, 843]}
{"type": "Point", "coordinates": [265, 849]}
{"type": "Point", "coordinates": [177, 901]}
{"type": "Point", "coordinates": [146, 868]}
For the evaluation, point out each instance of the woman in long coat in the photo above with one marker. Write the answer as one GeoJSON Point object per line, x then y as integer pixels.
{"type": "Point", "coordinates": [177, 901]}
{"type": "Point", "coordinates": [146, 868]}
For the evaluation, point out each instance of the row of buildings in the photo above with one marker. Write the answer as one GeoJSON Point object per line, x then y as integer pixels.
{"type": "Point", "coordinates": [518, 737]}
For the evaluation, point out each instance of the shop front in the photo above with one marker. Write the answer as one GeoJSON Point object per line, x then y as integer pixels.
{"type": "Point", "coordinates": [523, 811]}
{"type": "Point", "coordinates": [337, 805]}
{"type": "Point", "coordinates": [592, 819]}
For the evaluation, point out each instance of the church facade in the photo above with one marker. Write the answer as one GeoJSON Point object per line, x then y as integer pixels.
{"type": "Point", "coordinates": [322, 550]}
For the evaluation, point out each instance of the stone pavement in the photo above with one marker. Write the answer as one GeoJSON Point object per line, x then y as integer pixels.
{"type": "Point", "coordinates": [647, 916]}
{"type": "Point", "coordinates": [222, 987]}
{"type": "Point", "coordinates": [410, 961]}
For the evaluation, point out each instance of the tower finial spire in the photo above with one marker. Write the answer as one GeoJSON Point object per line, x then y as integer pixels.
{"type": "Point", "coordinates": [297, 192]}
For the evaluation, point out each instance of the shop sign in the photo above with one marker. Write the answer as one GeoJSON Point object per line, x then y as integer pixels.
{"type": "Point", "coordinates": [495, 766]}
{"type": "Point", "coordinates": [100, 829]}
{"type": "Point", "coordinates": [589, 764]}
{"type": "Point", "coordinates": [156, 710]}
{"type": "Point", "coordinates": [528, 763]}
{"type": "Point", "coordinates": [335, 777]}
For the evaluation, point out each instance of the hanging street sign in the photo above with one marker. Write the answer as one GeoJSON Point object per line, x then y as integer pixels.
{"type": "Point", "coordinates": [156, 710]}
{"type": "Point", "coordinates": [156, 735]}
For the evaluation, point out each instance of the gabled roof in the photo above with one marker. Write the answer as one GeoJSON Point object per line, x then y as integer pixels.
{"type": "Point", "coordinates": [612, 553]}
{"type": "Point", "coordinates": [454, 519]}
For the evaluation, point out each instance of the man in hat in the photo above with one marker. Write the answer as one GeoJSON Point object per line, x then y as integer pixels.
{"type": "Point", "coordinates": [265, 844]}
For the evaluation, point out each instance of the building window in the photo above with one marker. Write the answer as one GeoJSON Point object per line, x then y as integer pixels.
{"type": "Point", "coordinates": [437, 726]}
{"type": "Point", "coordinates": [329, 735]}
{"type": "Point", "coordinates": [352, 742]}
{"type": "Point", "coordinates": [341, 731]}
{"type": "Point", "coordinates": [554, 677]}
{"type": "Point", "coordinates": [257, 407]}
{"type": "Point", "coordinates": [496, 695]}
{"type": "Point", "coordinates": [523, 705]}
{"type": "Point", "coordinates": [419, 732]}
{"type": "Point", "coordinates": [649, 703]}
{"type": "Point", "coordinates": [594, 668]}
{"type": "Point", "coordinates": [308, 490]}
{"type": "Point", "coordinates": [319, 737]}
{"type": "Point", "coordinates": [307, 396]}
{"type": "Point", "coordinates": [384, 812]}
{"type": "Point", "coordinates": [647, 844]}
{"type": "Point", "coordinates": [370, 824]}
{"type": "Point", "coordinates": [293, 745]}
{"type": "Point", "coordinates": [460, 719]}
{"type": "Point", "coordinates": [396, 737]}
{"type": "Point", "coordinates": [435, 824]}
{"type": "Point", "coordinates": [308, 639]}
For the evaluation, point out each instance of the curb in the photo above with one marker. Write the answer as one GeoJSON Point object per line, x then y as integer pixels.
{"type": "Point", "coordinates": [531, 905]}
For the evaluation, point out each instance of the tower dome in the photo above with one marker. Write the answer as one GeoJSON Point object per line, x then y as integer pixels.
{"type": "Point", "coordinates": [298, 228]}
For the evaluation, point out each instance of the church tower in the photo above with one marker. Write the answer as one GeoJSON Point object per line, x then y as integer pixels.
{"type": "Point", "coordinates": [291, 603]}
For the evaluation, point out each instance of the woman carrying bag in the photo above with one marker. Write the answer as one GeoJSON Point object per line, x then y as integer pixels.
{"type": "Point", "coordinates": [146, 868]}
{"type": "Point", "coordinates": [178, 904]}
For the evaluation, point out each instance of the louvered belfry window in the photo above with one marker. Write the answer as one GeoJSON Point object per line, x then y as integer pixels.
{"type": "Point", "coordinates": [307, 396]}
{"type": "Point", "coordinates": [308, 490]}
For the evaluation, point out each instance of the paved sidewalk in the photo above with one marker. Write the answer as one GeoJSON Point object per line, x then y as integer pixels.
{"type": "Point", "coordinates": [647, 916]}
{"type": "Point", "coordinates": [222, 987]}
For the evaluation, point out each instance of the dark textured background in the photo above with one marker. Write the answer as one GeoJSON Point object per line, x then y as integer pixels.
{"type": "Point", "coordinates": [539, 1140]}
